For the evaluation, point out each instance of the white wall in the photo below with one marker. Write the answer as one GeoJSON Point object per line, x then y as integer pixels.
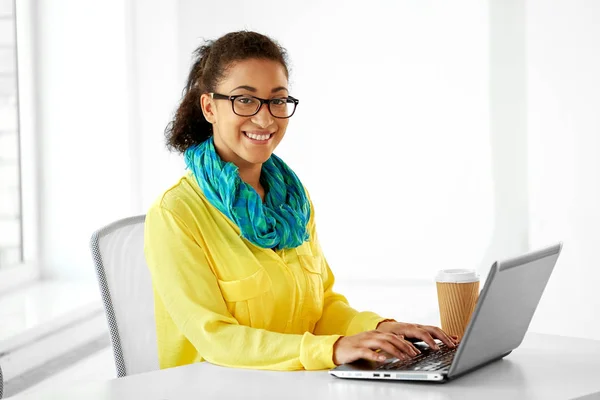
{"type": "Point", "coordinates": [508, 123]}
{"type": "Point", "coordinates": [418, 157]}
{"type": "Point", "coordinates": [83, 129]}
{"type": "Point", "coordinates": [563, 86]}
{"type": "Point", "coordinates": [157, 87]}
{"type": "Point", "coordinates": [392, 133]}
{"type": "Point", "coordinates": [476, 124]}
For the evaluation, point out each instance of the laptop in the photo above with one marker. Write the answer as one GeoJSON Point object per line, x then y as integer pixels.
{"type": "Point", "coordinates": [498, 325]}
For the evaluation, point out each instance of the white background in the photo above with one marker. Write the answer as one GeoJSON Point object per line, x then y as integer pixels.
{"type": "Point", "coordinates": [430, 134]}
{"type": "Point", "coordinates": [392, 134]}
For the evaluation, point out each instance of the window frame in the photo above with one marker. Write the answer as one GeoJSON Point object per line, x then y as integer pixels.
{"type": "Point", "coordinates": [29, 269]}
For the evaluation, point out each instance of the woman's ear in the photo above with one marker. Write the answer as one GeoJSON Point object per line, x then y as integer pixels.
{"type": "Point", "coordinates": [208, 107]}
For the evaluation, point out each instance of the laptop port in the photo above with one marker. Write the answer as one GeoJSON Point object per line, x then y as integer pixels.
{"type": "Point", "coordinates": [376, 375]}
{"type": "Point", "coordinates": [387, 376]}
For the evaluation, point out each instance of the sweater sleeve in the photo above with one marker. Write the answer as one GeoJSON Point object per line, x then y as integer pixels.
{"type": "Point", "coordinates": [190, 292]}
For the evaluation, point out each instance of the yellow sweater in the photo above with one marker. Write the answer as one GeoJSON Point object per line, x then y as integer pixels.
{"type": "Point", "coordinates": [222, 299]}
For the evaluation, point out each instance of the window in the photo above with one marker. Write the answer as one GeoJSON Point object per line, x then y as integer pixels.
{"type": "Point", "coordinates": [11, 227]}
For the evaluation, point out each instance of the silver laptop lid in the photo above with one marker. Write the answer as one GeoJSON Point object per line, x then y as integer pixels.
{"type": "Point", "coordinates": [505, 309]}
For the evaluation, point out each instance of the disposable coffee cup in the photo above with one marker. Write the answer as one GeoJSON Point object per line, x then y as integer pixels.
{"type": "Point", "coordinates": [458, 291]}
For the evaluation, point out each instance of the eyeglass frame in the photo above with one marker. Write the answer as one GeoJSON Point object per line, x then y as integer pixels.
{"type": "Point", "coordinates": [219, 96]}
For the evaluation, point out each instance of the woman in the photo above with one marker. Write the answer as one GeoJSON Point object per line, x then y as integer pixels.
{"type": "Point", "coordinates": [239, 277]}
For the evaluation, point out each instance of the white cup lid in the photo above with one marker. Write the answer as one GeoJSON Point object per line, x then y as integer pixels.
{"type": "Point", "coordinates": [457, 276]}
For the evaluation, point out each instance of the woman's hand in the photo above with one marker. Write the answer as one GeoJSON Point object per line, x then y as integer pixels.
{"type": "Point", "coordinates": [425, 333]}
{"type": "Point", "coordinates": [363, 345]}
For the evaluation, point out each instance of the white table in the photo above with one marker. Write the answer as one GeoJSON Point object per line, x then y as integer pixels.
{"type": "Point", "coordinates": [543, 367]}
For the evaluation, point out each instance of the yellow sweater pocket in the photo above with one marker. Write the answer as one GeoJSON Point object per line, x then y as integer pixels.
{"type": "Point", "coordinates": [250, 299]}
{"type": "Point", "coordinates": [312, 267]}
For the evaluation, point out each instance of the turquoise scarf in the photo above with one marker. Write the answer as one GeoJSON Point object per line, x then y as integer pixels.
{"type": "Point", "coordinates": [279, 223]}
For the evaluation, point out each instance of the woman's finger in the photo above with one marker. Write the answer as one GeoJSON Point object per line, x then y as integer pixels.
{"type": "Point", "coordinates": [395, 351]}
{"type": "Point", "coordinates": [368, 354]}
{"type": "Point", "coordinates": [379, 345]}
{"type": "Point", "coordinates": [440, 334]}
{"type": "Point", "coordinates": [404, 345]}
{"type": "Point", "coordinates": [401, 337]}
{"type": "Point", "coordinates": [400, 344]}
{"type": "Point", "coordinates": [385, 345]}
{"type": "Point", "coordinates": [422, 334]}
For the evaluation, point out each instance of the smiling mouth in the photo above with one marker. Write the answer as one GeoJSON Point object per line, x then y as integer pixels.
{"type": "Point", "coordinates": [259, 138]}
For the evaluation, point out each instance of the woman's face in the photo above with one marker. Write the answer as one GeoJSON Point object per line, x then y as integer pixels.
{"type": "Point", "coordinates": [261, 78]}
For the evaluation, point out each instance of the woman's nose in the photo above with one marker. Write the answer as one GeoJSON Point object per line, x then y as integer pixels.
{"type": "Point", "coordinates": [263, 117]}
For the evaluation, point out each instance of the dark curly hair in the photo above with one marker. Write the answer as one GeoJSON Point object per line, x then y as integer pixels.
{"type": "Point", "coordinates": [211, 61]}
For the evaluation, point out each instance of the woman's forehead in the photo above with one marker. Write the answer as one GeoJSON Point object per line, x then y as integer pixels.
{"type": "Point", "coordinates": [262, 75]}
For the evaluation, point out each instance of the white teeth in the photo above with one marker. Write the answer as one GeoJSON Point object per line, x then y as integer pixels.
{"type": "Point", "coordinates": [257, 137]}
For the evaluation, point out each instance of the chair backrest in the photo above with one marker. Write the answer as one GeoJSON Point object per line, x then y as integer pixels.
{"type": "Point", "coordinates": [126, 286]}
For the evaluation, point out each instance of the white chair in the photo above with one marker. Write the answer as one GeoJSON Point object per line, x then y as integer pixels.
{"type": "Point", "coordinates": [126, 286]}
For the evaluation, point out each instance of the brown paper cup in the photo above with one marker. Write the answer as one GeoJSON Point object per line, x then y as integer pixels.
{"type": "Point", "coordinates": [458, 291]}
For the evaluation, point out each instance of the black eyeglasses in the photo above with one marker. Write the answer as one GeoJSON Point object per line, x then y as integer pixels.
{"type": "Point", "coordinates": [245, 105]}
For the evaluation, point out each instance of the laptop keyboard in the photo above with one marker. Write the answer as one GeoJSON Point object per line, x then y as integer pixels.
{"type": "Point", "coordinates": [428, 360]}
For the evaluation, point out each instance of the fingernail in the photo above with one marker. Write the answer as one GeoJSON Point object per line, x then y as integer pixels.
{"type": "Point", "coordinates": [381, 358]}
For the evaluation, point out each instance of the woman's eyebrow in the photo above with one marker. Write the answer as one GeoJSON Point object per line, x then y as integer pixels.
{"type": "Point", "coordinates": [252, 89]}
{"type": "Point", "coordinates": [277, 89]}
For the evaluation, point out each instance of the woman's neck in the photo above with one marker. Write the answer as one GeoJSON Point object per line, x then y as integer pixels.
{"type": "Point", "coordinates": [251, 175]}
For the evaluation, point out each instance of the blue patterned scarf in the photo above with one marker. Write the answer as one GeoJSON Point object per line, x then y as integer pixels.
{"type": "Point", "coordinates": [279, 223]}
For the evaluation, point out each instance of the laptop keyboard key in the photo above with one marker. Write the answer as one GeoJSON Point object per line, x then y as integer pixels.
{"type": "Point", "coordinates": [428, 360]}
